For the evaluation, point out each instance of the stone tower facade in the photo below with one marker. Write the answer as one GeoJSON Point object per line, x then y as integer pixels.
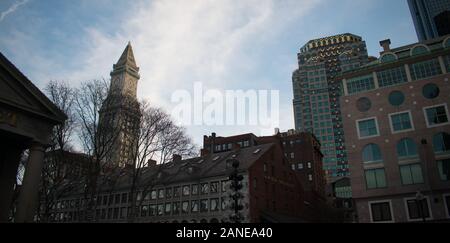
{"type": "Point", "coordinates": [120, 113]}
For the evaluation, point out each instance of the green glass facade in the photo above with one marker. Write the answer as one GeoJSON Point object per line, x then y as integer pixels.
{"type": "Point", "coordinates": [316, 94]}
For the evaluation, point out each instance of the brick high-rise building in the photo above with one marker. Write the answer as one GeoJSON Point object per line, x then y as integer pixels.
{"type": "Point", "coordinates": [316, 94]}
{"type": "Point", "coordinates": [397, 133]}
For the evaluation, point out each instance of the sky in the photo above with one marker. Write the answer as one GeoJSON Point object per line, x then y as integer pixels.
{"type": "Point", "coordinates": [223, 44]}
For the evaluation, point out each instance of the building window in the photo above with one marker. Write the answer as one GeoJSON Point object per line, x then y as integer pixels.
{"type": "Point", "coordinates": [411, 174]}
{"type": "Point", "coordinates": [363, 104]}
{"type": "Point", "coordinates": [144, 211]}
{"type": "Point", "coordinates": [401, 122]}
{"type": "Point", "coordinates": [176, 191]}
{"type": "Point", "coordinates": [204, 205]}
{"type": "Point", "coordinates": [168, 193]}
{"type": "Point", "coordinates": [153, 194]}
{"type": "Point", "coordinates": [224, 203]}
{"type": "Point", "coordinates": [430, 91]}
{"type": "Point", "coordinates": [310, 177]}
{"type": "Point", "coordinates": [396, 98]}
{"type": "Point", "coordinates": [214, 188]}
{"type": "Point", "coordinates": [406, 148]}
{"type": "Point", "coordinates": [418, 209]}
{"type": "Point", "coordinates": [194, 206]}
{"type": "Point", "coordinates": [360, 84]}
{"type": "Point", "coordinates": [204, 188]}
{"type": "Point", "coordinates": [447, 204]}
{"type": "Point", "coordinates": [292, 155]}
{"type": "Point", "coordinates": [300, 166]}
{"type": "Point", "coordinates": [176, 208]}
{"type": "Point", "coordinates": [388, 57]}
{"type": "Point", "coordinates": [381, 212]}
{"type": "Point", "coordinates": [367, 128]}
{"type": "Point", "coordinates": [186, 190]}
{"type": "Point", "coordinates": [441, 143]}
{"type": "Point", "coordinates": [392, 76]}
{"type": "Point", "coordinates": [160, 209]}
{"type": "Point", "coordinates": [214, 204]}
{"type": "Point", "coordinates": [436, 115]}
{"type": "Point", "coordinates": [309, 165]}
{"type": "Point", "coordinates": [195, 189]}
{"type": "Point", "coordinates": [425, 69]}
{"type": "Point", "coordinates": [152, 210]}
{"type": "Point", "coordinates": [293, 166]}
{"type": "Point", "coordinates": [371, 153]}
{"type": "Point", "coordinates": [224, 186]}
{"type": "Point", "coordinates": [124, 197]}
{"type": "Point", "coordinates": [375, 178]}
{"type": "Point", "coordinates": [444, 169]}
{"type": "Point", "coordinates": [168, 208]}
{"type": "Point", "coordinates": [161, 193]}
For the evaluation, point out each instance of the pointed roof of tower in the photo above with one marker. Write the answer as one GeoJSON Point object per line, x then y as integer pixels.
{"type": "Point", "coordinates": [127, 57]}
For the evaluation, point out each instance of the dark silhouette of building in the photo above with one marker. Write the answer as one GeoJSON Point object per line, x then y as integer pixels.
{"type": "Point", "coordinates": [27, 118]}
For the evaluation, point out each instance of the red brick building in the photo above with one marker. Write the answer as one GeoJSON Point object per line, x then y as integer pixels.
{"type": "Point", "coordinates": [397, 126]}
{"type": "Point", "coordinates": [301, 150]}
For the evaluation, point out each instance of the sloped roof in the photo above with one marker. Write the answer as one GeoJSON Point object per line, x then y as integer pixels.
{"type": "Point", "coordinates": [202, 167]}
{"type": "Point", "coordinates": [21, 93]}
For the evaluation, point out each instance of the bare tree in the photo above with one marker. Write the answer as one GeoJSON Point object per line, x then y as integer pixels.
{"type": "Point", "coordinates": [97, 138]}
{"type": "Point", "coordinates": [61, 170]}
{"type": "Point", "coordinates": [158, 137]}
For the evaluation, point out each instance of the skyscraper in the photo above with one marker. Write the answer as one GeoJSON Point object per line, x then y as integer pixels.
{"type": "Point", "coordinates": [428, 16]}
{"type": "Point", "coordinates": [120, 113]}
{"type": "Point", "coordinates": [316, 94]}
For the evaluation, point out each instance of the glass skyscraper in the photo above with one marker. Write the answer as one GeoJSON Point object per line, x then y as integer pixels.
{"type": "Point", "coordinates": [428, 16]}
{"type": "Point", "coordinates": [316, 94]}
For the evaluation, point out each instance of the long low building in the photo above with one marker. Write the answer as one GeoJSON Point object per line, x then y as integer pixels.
{"type": "Point", "coordinates": [198, 190]}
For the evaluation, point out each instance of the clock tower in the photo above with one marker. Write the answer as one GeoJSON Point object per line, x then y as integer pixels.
{"type": "Point", "coordinates": [120, 113]}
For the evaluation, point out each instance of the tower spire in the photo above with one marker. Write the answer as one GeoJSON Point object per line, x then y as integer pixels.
{"type": "Point", "coordinates": [127, 57]}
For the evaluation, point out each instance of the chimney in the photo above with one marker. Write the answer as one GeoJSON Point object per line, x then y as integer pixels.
{"type": "Point", "coordinates": [176, 158]}
{"type": "Point", "coordinates": [386, 44]}
{"type": "Point", "coordinates": [212, 143]}
{"type": "Point", "coordinates": [151, 163]}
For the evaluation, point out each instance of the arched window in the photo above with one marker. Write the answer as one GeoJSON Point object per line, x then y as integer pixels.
{"type": "Point", "coordinates": [406, 148]}
{"type": "Point", "coordinates": [447, 43]}
{"type": "Point", "coordinates": [418, 50]}
{"type": "Point", "coordinates": [388, 57]}
{"type": "Point", "coordinates": [372, 153]}
{"type": "Point", "coordinates": [441, 143]}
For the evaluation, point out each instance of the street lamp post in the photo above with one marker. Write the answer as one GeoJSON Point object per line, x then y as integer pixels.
{"type": "Point", "coordinates": [236, 186]}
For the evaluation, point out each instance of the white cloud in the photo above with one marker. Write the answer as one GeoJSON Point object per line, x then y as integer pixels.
{"type": "Point", "coordinates": [178, 42]}
{"type": "Point", "coordinates": [12, 9]}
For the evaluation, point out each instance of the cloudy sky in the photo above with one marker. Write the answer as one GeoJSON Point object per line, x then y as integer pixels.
{"type": "Point", "coordinates": [224, 44]}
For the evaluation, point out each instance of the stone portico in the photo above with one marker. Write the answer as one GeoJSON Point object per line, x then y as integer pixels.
{"type": "Point", "coordinates": [27, 118]}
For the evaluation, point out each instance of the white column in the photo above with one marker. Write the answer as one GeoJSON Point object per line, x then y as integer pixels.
{"type": "Point", "coordinates": [408, 73]}
{"type": "Point", "coordinates": [28, 198]}
{"type": "Point", "coordinates": [375, 80]}
{"type": "Point", "coordinates": [344, 85]}
{"type": "Point", "coordinates": [442, 63]}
